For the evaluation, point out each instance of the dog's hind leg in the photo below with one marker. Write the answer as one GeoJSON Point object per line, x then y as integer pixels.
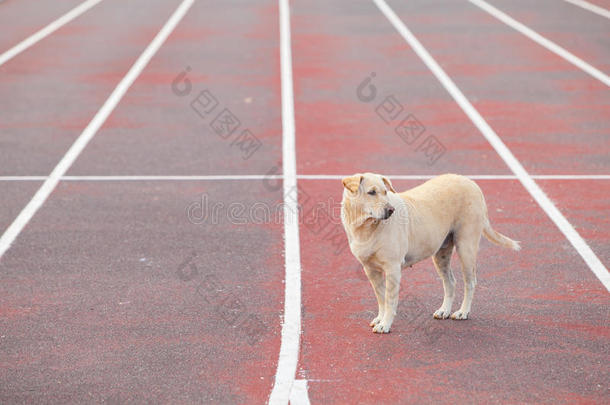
{"type": "Point", "coordinates": [376, 278]}
{"type": "Point", "coordinates": [467, 248]}
{"type": "Point", "coordinates": [442, 260]}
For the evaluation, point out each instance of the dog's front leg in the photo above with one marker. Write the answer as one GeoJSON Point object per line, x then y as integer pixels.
{"type": "Point", "coordinates": [392, 285]}
{"type": "Point", "coordinates": [376, 278]}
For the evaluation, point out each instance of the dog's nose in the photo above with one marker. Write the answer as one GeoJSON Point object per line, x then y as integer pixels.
{"type": "Point", "coordinates": [389, 212]}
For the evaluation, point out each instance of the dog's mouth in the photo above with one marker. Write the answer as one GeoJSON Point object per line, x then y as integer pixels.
{"type": "Point", "coordinates": [380, 216]}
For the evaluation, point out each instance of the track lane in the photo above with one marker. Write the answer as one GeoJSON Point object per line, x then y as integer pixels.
{"type": "Point", "coordinates": [543, 41]}
{"type": "Point", "coordinates": [601, 3]}
{"type": "Point", "coordinates": [109, 308]}
{"type": "Point", "coordinates": [578, 30]}
{"type": "Point", "coordinates": [52, 97]}
{"type": "Point", "coordinates": [591, 7]}
{"type": "Point", "coordinates": [20, 19]}
{"type": "Point", "coordinates": [585, 204]}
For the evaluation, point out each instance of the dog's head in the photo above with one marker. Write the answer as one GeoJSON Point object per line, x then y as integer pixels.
{"type": "Point", "coordinates": [368, 194]}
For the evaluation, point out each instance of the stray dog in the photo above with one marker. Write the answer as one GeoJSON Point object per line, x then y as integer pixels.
{"type": "Point", "coordinates": [388, 231]}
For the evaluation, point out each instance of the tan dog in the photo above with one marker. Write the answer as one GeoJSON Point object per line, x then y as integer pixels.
{"type": "Point", "coordinates": [388, 231]}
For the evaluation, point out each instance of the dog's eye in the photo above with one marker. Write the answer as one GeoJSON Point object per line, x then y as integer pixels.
{"type": "Point", "coordinates": [372, 192]}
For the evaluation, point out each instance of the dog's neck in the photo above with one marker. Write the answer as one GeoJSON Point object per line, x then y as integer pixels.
{"type": "Point", "coordinates": [361, 226]}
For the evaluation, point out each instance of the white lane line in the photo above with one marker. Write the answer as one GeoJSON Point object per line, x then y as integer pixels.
{"type": "Point", "coordinates": [23, 178]}
{"type": "Point", "coordinates": [571, 177]}
{"type": "Point", "coordinates": [540, 40]}
{"type": "Point", "coordinates": [591, 7]}
{"type": "Point", "coordinates": [171, 178]}
{"type": "Point", "coordinates": [471, 176]}
{"type": "Point", "coordinates": [77, 147]}
{"type": "Point", "coordinates": [46, 31]}
{"type": "Point", "coordinates": [511, 161]}
{"type": "Point", "coordinates": [408, 177]}
{"type": "Point", "coordinates": [301, 177]}
{"type": "Point", "coordinates": [298, 395]}
{"type": "Point", "coordinates": [291, 327]}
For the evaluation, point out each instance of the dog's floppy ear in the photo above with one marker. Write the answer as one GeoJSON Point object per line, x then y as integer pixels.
{"type": "Point", "coordinates": [352, 182]}
{"type": "Point", "coordinates": [388, 184]}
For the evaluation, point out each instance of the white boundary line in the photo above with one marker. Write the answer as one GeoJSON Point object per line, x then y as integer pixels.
{"type": "Point", "coordinates": [511, 161]}
{"type": "Point", "coordinates": [540, 40]}
{"type": "Point", "coordinates": [570, 176]}
{"type": "Point", "coordinates": [298, 394]}
{"type": "Point", "coordinates": [23, 178]}
{"type": "Point", "coordinates": [591, 7]}
{"type": "Point", "coordinates": [77, 147]}
{"type": "Point", "coordinates": [173, 178]}
{"type": "Point", "coordinates": [300, 177]}
{"type": "Point", "coordinates": [291, 327]}
{"type": "Point", "coordinates": [46, 31]}
{"type": "Point", "coordinates": [471, 176]}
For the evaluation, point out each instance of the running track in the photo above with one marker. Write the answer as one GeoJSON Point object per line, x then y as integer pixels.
{"type": "Point", "coordinates": [151, 254]}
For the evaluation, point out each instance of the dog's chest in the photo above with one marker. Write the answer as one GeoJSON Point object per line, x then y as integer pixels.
{"type": "Point", "coordinates": [363, 251]}
{"type": "Point", "coordinates": [371, 260]}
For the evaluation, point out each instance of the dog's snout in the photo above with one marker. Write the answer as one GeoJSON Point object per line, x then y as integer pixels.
{"type": "Point", "coordinates": [388, 212]}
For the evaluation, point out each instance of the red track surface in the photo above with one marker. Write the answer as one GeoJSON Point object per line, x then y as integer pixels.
{"type": "Point", "coordinates": [20, 19]}
{"type": "Point", "coordinates": [111, 294]}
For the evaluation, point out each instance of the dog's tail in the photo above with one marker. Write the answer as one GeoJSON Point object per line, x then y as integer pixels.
{"type": "Point", "coordinates": [499, 239]}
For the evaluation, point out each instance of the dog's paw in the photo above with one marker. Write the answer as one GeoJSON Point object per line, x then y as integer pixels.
{"type": "Point", "coordinates": [442, 313]}
{"type": "Point", "coordinates": [376, 320]}
{"type": "Point", "coordinates": [459, 315]}
{"type": "Point", "coordinates": [381, 327]}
